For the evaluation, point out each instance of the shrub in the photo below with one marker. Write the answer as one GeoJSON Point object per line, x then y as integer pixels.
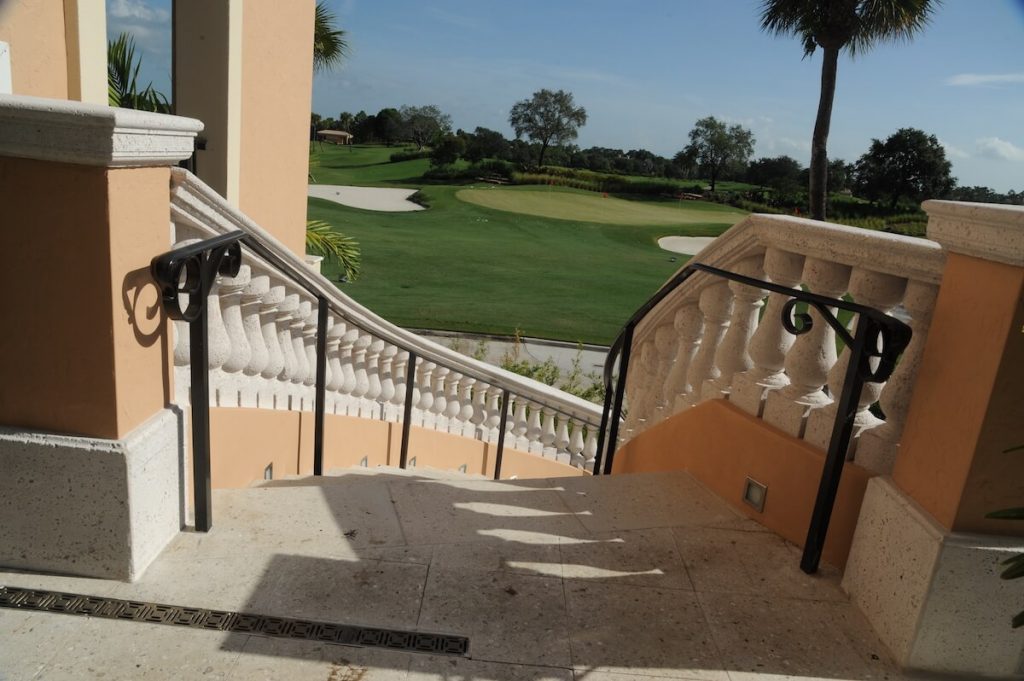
{"type": "Point", "coordinates": [409, 155]}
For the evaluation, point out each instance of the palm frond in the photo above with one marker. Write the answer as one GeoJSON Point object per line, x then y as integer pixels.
{"type": "Point", "coordinates": [322, 239]}
{"type": "Point", "coordinates": [123, 79]}
{"type": "Point", "coordinates": [329, 45]}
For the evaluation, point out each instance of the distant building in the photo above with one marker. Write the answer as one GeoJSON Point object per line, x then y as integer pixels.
{"type": "Point", "coordinates": [334, 136]}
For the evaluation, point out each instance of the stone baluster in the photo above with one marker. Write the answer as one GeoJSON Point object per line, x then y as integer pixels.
{"type": "Point", "coordinates": [426, 395]}
{"type": "Point", "coordinates": [494, 408]}
{"type": "Point", "coordinates": [454, 407]}
{"type": "Point", "coordinates": [309, 331]}
{"type": "Point", "coordinates": [286, 312]}
{"type": "Point", "coordinates": [688, 323]}
{"type": "Point", "coordinates": [665, 342]}
{"type": "Point", "coordinates": [733, 356]}
{"type": "Point", "coordinates": [335, 400]}
{"type": "Point", "coordinates": [298, 327]}
{"type": "Point", "coordinates": [882, 292]}
{"type": "Point", "coordinates": [480, 411]}
{"type": "Point", "coordinates": [771, 341]}
{"type": "Point", "coordinates": [372, 397]}
{"type": "Point", "coordinates": [536, 429]}
{"type": "Point", "coordinates": [562, 440]}
{"type": "Point", "coordinates": [231, 311]}
{"type": "Point", "coordinates": [252, 299]}
{"type": "Point", "coordinates": [590, 449]}
{"type": "Point", "coordinates": [877, 448]}
{"type": "Point", "coordinates": [546, 439]}
{"type": "Point", "coordinates": [468, 410]}
{"type": "Point", "coordinates": [399, 370]}
{"type": "Point", "coordinates": [576, 445]}
{"type": "Point", "coordinates": [440, 399]}
{"type": "Point", "coordinates": [716, 306]}
{"type": "Point", "coordinates": [348, 371]}
{"type": "Point", "coordinates": [639, 388]}
{"type": "Point", "coordinates": [811, 356]}
{"type": "Point", "coordinates": [387, 382]}
{"type": "Point", "coordinates": [362, 386]}
{"type": "Point", "coordinates": [269, 312]}
{"type": "Point", "coordinates": [519, 424]}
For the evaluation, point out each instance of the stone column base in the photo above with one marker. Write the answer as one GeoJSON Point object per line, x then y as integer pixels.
{"type": "Point", "coordinates": [87, 506]}
{"type": "Point", "coordinates": [934, 596]}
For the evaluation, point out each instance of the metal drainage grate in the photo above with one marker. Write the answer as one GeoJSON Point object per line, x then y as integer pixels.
{"type": "Point", "coordinates": [224, 620]}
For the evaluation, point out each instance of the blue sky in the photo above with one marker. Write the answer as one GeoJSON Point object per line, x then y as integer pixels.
{"type": "Point", "coordinates": [646, 70]}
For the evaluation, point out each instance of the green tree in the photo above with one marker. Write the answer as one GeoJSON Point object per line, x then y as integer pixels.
{"type": "Point", "coordinates": [387, 126]}
{"type": "Point", "coordinates": [547, 118]}
{"type": "Point", "coordinates": [330, 47]}
{"type": "Point", "coordinates": [909, 165]}
{"type": "Point", "coordinates": [781, 174]}
{"type": "Point", "coordinates": [835, 25]}
{"type": "Point", "coordinates": [485, 143]}
{"type": "Point", "coordinates": [447, 150]}
{"type": "Point", "coordinates": [424, 124]}
{"type": "Point", "coordinates": [123, 79]}
{"type": "Point", "coordinates": [718, 148]}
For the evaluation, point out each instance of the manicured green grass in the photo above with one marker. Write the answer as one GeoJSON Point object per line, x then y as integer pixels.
{"type": "Point", "coordinates": [591, 207]}
{"type": "Point", "coordinates": [363, 166]}
{"type": "Point", "coordinates": [468, 267]}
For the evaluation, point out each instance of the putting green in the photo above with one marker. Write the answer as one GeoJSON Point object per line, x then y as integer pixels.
{"type": "Point", "coordinates": [580, 207]}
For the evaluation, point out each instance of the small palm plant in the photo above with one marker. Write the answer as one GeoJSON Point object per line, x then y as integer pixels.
{"type": "Point", "coordinates": [123, 79]}
{"type": "Point", "coordinates": [1014, 564]}
{"type": "Point", "coordinates": [322, 239]}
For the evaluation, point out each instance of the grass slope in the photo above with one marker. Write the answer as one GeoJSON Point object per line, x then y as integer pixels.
{"type": "Point", "coordinates": [463, 266]}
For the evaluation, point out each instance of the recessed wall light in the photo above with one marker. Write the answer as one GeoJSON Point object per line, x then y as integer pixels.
{"type": "Point", "coordinates": [268, 472]}
{"type": "Point", "coordinates": [754, 494]}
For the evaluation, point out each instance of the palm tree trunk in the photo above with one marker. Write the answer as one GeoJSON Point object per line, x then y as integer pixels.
{"type": "Point", "coordinates": [819, 151]}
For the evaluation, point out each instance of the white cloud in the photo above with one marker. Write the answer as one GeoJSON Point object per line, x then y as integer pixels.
{"type": "Point", "coordinates": [972, 79]}
{"type": "Point", "coordinates": [138, 10]}
{"type": "Point", "coordinates": [993, 147]}
{"type": "Point", "coordinates": [952, 151]}
{"type": "Point", "coordinates": [794, 145]}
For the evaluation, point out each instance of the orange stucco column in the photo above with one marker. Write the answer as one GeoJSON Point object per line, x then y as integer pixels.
{"type": "Point", "coordinates": [246, 70]}
{"type": "Point", "coordinates": [84, 350]}
{"type": "Point", "coordinates": [968, 403]}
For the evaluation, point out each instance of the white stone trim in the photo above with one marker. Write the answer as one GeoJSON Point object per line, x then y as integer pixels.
{"type": "Point", "coordinates": [88, 506]}
{"type": "Point", "coordinates": [92, 134]}
{"type": "Point", "coordinates": [196, 205]}
{"type": "Point", "coordinates": [933, 596]}
{"type": "Point", "coordinates": [980, 230]}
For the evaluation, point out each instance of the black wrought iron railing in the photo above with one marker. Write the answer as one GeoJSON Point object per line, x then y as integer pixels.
{"type": "Point", "coordinates": [875, 346]}
{"type": "Point", "coordinates": [192, 271]}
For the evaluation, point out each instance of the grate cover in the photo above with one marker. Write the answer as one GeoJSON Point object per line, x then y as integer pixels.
{"type": "Point", "coordinates": [224, 620]}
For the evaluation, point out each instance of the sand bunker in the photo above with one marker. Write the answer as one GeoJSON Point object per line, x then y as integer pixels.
{"type": "Point", "coordinates": [367, 198]}
{"type": "Point", "coordinates": [687, 245]}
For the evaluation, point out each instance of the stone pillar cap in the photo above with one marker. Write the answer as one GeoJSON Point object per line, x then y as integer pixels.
{"type": "Point", "coordinates": [981, 230]}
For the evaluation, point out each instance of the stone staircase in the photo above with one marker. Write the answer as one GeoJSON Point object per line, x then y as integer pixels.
{"type": "Point", "coordinates": [609, 578]}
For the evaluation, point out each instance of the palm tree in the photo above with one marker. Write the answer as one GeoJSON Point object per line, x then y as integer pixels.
{"type": "Point", "coordinates": [323, 240]}
{"type": "Point", "coordinates": [329, 44]}
{"type": "Point", "coordinates": [835, 25]}
{"type": "Point", "coordinates": [123, 76]}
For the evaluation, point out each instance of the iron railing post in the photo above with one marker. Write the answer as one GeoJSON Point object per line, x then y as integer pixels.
{"type": "Point", "coordinates": [321, 385]}
{"type": "Point", "coordinates": [199, 360]}
{"type": "Point", "coordinates": [620, 393]}
{"type": "Point", "coordinates": [838, 445]}
{"type": "Point", "coordinates": [501, 434]}
{"type": "Point", "coordinates": [410, 381]}
{"type": "Point", "coordinates": [603, 428]}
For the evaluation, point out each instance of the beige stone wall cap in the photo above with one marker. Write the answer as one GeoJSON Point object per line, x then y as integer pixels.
{"type": "Point", "coordinates": [92, 134]}
{"type": "Point", "coordinates": [980, 230]}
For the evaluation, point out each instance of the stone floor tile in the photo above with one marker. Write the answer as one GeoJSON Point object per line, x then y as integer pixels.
{"type": "Point", "coordinates": [438, 512]}
{"type": "Point", "coordinates": [626, 502]}
{"type": "Point", "coordinates": [751, 563]}
{"type": "Point", "coordinates": [269, 659]}
{"type": "Point", "coordinates": [590, 675]}
{"type": "Point", "coordinates": [640, 557]}
{"type": "Point", "coordinates": [30, 640]}
{"type": "Point", "coordinates": [367, 593]}
{"type": "Point", "coordinates": [116, 649]}
{"type": "Point", "coordinates": [500, 556]}
{"type": "Point", "coordinates": [77, 585]}
{"type": "Point", "coordinates": [508, 617]}
{"type": "Point", "coordinates": [761, 636]}
{"type": "Point", "coordinates": [424, 668]}
{"type": "Point", "coordinates": [640, 630]}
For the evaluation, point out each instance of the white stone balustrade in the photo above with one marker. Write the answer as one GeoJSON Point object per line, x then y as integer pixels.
{"type": "Point", "coordinates": [730, 341]}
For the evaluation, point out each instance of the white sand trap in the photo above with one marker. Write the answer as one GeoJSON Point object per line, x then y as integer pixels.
{"type": "Point", "coordinates": [367, 198]}
{"type": "Point", "coordinates": [687, 245]}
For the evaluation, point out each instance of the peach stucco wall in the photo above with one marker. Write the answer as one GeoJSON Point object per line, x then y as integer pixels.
{"type": "Point", "coordinates": [89, 357]}
{"type": "Point", "coordinates": [967, 403]}
{"type": "Point", "coordinates": [244, 441]}
{"type": "Point", "coordinates": [722, 445]}
{"type": "Point", "coordinates": [39, 60]}
{"type": "Point", "coordinates": [277, 86]}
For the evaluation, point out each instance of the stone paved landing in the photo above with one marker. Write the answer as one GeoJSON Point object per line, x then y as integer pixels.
{"type": "Point", "coordinates": [619, 578]}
